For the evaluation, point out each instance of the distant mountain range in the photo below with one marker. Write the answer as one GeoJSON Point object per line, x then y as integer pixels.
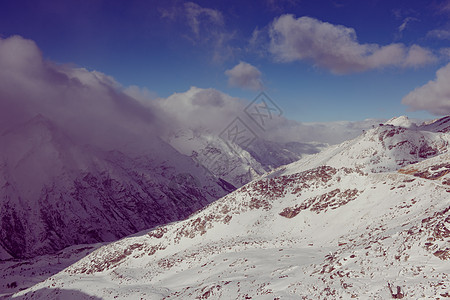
{"type": "Point", "coordinates": [238, 165]}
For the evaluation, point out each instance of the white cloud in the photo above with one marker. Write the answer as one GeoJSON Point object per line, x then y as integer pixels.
{"type": "Point", "coordinates": [196, 14]}
{"type": "Point", "coordinates": [433, 96]}
{"type": "Point", "coordinates": [279, 6]}
{"type": "Point", "coordinates": [336, 47]}
{"type": "Point", "coordinates": [441, 34]}
{"type": "Point", "coordinates": [212, 110]}
{"type": "Point", "coordinates": [94, 109]}
{"type": "Point", "coordinates": [444, 7]}
{"type": "Point", "coordinates": [417, 56]}
{"type": "Point", "coordinates": [138, 93]}
{"type": "Point", "coordinates": [206, 28]}
{"type": "Point", "coordinates": [445, 52]}
{"type": "Point", "coordinates": [405, 23]}
{"type": "Point", "coordinates": [245, 76]}
{"type": "Point", "coordinates": [324, 132]}
{"type": "Point", "coordinates": [87, 105]}
{"type": "Point", "coordinates": [199, 108]}
{"type": "Point", "coordinates": [258, 42]}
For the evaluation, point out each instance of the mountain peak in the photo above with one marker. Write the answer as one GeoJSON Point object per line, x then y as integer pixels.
{"type": "Point", "coordinates": [402, 121]}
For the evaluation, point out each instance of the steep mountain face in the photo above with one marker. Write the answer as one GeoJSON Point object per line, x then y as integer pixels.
{"type": "Point", "coordinates": [56, 193]}
{"type": "Point", "coordinates": [235, 166]}
{"type": "Point", "coordinates": [238, 166]}
{"type": "Point", "coordinates": [334, 225]}
{"type": "Point", "coordinates": [272, 155]}
{"type": "Point", "coordinates": [438, 125]}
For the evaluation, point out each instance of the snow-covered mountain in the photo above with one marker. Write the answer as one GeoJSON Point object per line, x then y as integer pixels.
{"type": "Point", "coordinates": [367, 219]}
{"type": "Point", "coordinates": [272, 155]}
{"type": "Point", "coordinates": [238, 165]}
{"type": "Point", "coordinates": [402, 121]}
{"type": "Point", "coordinates": [384, 148]}
{"type": "Point", "coordinates": [438, 125]}
{"type": "Point", "coordinates": [56, 192]}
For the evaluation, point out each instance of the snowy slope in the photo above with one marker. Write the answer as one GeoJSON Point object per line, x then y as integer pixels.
{"type": "Point", "coordinates": [438, 125]}
{"type": "Point", "coordinates": [381, 149]}
{"type": "Point", "coordinates": [56, 192]}
{"type": "Point", "coordinates": [326, 232]}
{"type": "Point", "coordinates": [436, 169]}
{"type": "Point", "coordinates": [402, 121]}
{"type": "Point", "coordinates": [17, 274]}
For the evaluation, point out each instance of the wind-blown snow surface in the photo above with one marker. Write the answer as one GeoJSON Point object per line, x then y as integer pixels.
{"type": "Point", "coordinates": [359, 228]}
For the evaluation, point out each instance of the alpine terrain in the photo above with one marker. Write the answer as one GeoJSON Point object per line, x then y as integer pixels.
{"type": "Point", "coordinates": [56, 192]}
{"type": "Point", "coordinates": [366, 219]}
{"type": "Point", "coordinates": [237, 165]}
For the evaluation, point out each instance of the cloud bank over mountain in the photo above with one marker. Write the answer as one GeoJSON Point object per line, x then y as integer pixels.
{"type": "Point", "coordinates": [88, 105]}
{"type": "Point", "coordinates": [95, 109]}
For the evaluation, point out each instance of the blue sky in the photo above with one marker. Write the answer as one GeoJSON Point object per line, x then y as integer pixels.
{"type": "Point", "coordinates": [319, 60]}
